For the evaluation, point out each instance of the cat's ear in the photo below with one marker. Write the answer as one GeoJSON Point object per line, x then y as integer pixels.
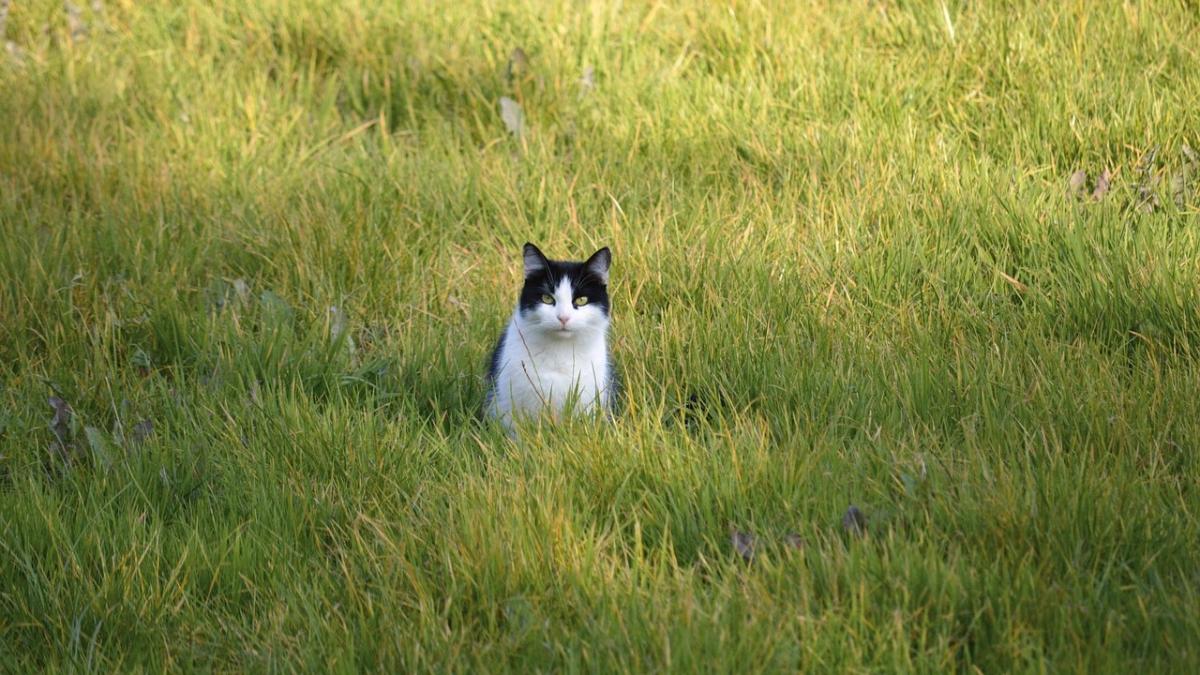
{"type": "Point", "coordinates": [535, 262]}
{"type": "Point", "coordinates": [598, 264]}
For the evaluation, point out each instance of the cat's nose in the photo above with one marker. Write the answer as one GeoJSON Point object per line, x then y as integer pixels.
{"type": "Point", "coordinates": [563, 319]}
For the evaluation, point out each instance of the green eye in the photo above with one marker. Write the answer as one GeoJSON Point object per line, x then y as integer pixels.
{"type": "Point", "coordinates": [547, 299]}
{"type": "Point", "coordinates": [581, 301]}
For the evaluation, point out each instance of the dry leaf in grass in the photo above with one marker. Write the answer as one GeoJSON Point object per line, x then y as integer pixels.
{"type": "Point", "coordinates": [1146, 196]}
{"type": "Point", "coordinates": [339, 329]}
{"type": "Point", "coordinates": [275, 308]}
{"type": "Point", "coordinates": [141, 362]}
{"type": "Point", "coordinates": [1147, 200]}
{"type": "Point", "coordinates": [142, 431]}
{"type": "Point", "coordinates": [1102, 185]}
{"type": "Point", "coordinates": [1178, 190]}
{"type": "Point", "coordinates": [15, 53]}
{"type": "Point", "coordinates": [512, 116]}
{"type": "Point", "coordinates": [1181, 181]}
{"type": "Point", "coordinates": [60, 424]}
{"type": "Point", "coordinates": [588, 81]}
{"type": "Point", "coordinates": [75, 23]}
{"type": "Point", "coordinates": [99, 18]}
{"type": "Point", "coordinates": [1145, 163]}
{"type": "Point", "coordinates": [1190, 155]}
{"type": "Point", "coordinates": [743, 543]}
{"type": "Point", "coordinates": [854, 522]}
{"type": "Point", "coordinates": [1076, 183]}
{"type": "Point", "coordinates": [518, 64]}
{"type": "Point", "coordinates": [63, 446]}
{"type": "Point", "coordinates": [1013, 281]}
{"type": "Point", "coordinates": [98, 445]}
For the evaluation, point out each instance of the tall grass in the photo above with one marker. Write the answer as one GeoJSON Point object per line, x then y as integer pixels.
{"type": "Point", "coordinates": [261, 250]}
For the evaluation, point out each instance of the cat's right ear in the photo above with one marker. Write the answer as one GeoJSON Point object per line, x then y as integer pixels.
{"type": "Point", "coordinates": [535, 262]}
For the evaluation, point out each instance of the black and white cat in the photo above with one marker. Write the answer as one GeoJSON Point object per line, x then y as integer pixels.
{"type": "Point", "coordinates": [554, 353]}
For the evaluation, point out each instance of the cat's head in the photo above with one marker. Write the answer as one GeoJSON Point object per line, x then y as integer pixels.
{"type": "Point", "coordinates": [564, 299]}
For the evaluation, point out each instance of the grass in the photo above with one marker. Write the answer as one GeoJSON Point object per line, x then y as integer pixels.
{"type": "Point", "coordinates": [846, 272]}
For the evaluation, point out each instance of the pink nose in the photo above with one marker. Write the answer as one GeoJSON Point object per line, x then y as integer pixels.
{"type": "Point", "coordinates": [563, 319]}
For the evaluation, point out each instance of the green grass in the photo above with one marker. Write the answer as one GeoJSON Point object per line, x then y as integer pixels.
{"type": "Point", "coordinates": [846, 271]}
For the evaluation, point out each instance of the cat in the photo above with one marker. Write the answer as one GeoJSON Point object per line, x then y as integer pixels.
{"type": "Point", "coordinates": [553, 356]}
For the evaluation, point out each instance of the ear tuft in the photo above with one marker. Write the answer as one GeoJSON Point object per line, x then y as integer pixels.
{"type": "Point", "coordinates": [599, 263]}
{"type": "Point", "coordinates": [535, 262]}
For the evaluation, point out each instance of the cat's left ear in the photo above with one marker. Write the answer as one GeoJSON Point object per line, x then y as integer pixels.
{"type": "Point", "coordinates": [599, 263]}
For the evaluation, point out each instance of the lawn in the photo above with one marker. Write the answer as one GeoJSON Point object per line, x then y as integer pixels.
{"type": "Point", "coordinates": [936, 260]}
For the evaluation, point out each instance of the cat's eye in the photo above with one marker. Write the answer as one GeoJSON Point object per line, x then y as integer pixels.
{"type": "Point", "coordinates": [581, 301]}
{"type": "Point", "coordinates": [547, 299]}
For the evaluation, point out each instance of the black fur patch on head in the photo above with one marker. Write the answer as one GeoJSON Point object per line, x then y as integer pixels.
{"type": "Point", "coordinates": [542, 276]}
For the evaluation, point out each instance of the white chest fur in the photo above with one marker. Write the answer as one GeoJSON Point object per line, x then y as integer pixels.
{"type": "Point", "coordinates": [538, 372]}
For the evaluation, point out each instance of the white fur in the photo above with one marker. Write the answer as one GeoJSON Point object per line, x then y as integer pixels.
{"type": "Point", "coordinates": [546, 366]}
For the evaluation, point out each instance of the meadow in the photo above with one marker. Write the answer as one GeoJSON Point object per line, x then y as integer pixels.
{"type": "Point", "coordinates": [936, 260]}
